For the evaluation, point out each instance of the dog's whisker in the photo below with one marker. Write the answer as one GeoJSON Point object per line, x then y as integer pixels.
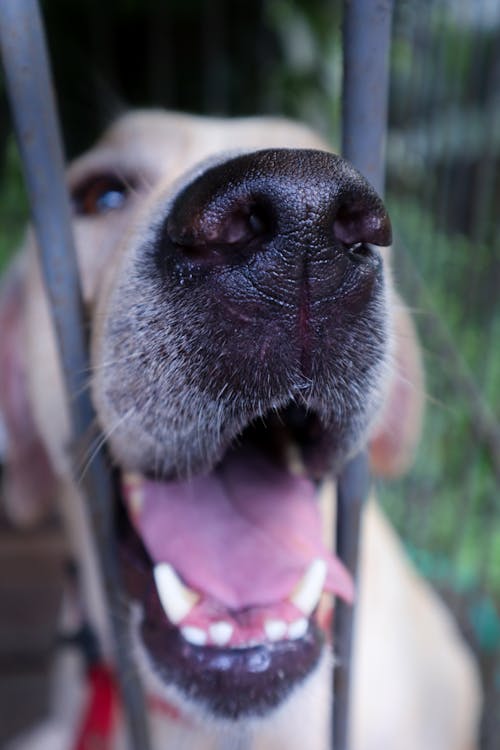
{"type": "Point", "coordinates": [156, 466]}
{"type": "Point", "coordinates": [404, 337]}
{"type": "Point", "coordinates": [78, 392]}
{"type": "Point", "coordinates": [99, 443]}
{"type": "Point", "coordinates": [396, 306]}
{"type": "Point", "coordinates": [429, 398]}
{"type": "Point", "coordinates": [111, 363]}
{"type": "Point", "coordinates": [134, 187]}
{"type": "Point", "coordinates": [142, 180]}
{"type": "Point", "coordinates": [124, 606]}
{"type": "Point", "coordinates": [417, 387]}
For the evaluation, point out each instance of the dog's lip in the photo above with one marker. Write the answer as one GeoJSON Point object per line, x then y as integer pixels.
{"type": "Point", "coordinates": [232, 683]}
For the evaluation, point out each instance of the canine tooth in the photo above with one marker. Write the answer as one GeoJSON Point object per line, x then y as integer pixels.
{"type": "Point", "coordinates": [298, 628]}
{"type": "Point", "coordinates": [135, 495]}
{"type": "Point", "coordinates": [308, 590]}
{"type": "Point", "coordinates": [220, 632]}
{"type": "Point", "coordinates": [195, 636]}
{"type": "Point", "coordinates": [275, 630]}
{"type": "Point", "coordinates": [294, 459]}
{"type": "Point", "coordinates": [327, 499]}
{"type": "Point", "coordinates": [136, 500]}
{"type": "Point", "coordinates": [177, 600]}
{"type": "Point", "coordinates": [133, 477]}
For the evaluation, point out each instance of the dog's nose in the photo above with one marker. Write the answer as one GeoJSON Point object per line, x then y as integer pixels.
{"type": "Point", "coordinates": [301, 204]}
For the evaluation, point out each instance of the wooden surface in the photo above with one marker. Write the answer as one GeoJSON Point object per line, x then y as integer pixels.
{"type": "Point", "coordinates": [31, 574]}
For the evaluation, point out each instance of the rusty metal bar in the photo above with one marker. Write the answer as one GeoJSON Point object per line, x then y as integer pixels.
{"type": "Point", "coordinates": [366, 43]}
{"type": "Point", "coordinates": [33, 107]}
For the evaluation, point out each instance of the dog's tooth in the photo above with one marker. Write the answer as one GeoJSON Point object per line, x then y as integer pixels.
{"type": "Point", "coordinates": [193, 635]}
{"type": "Point", "coordinates": [297, 629]}
{"type": "Point", "coordinates": [327, 496]}
{"type": "Point", "coordinates": [221, 632]}
{"type": "Point", "coordinates": [136, 499]}
{"type": "Point", "coordinates": [294, 460]}
{"type": "Point", "coordinates": [135, 496]}
{"type": "Point", "coordinates": [275, 630]}
{"type": "Point", "coordinates": [177, 599]}
{"type": "Point", "coordinates": [308, 591]}
{"type": "Point", "coordinates": [132, 477]}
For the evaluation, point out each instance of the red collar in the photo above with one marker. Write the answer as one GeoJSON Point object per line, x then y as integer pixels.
{"type": "Point", "coordinates": [99, 719]}
{"type": "Point", "coordinates": [100, 716]}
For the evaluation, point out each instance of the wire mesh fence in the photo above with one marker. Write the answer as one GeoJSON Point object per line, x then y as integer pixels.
{"type": "Point", "coordinates": [444, 191]}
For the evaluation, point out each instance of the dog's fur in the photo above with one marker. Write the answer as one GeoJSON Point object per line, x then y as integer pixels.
{"type": "Point", "coordinates": [416, 686]}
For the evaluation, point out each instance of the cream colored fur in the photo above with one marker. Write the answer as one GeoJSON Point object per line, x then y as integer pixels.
{"type": "Point", "coordinates": [416, 685]}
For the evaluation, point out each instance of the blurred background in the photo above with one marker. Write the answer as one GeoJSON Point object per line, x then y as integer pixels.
{"type": "Point", "coordinates": [443, 192]}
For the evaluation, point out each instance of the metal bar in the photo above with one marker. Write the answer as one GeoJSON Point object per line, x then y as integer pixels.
{"type": "Point", "coordinates": [352, 490]}
{"type": "Point", "coordinates": [33, 106]}
{"type": "Point", "coordinates": [366, 44]}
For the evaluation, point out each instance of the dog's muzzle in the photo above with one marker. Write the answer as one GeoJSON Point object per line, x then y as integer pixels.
{"type": "Point", "coordinates": [248, 337]}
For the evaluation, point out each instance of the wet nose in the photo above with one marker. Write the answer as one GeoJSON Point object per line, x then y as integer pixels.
{"type": "Point", "coordinates": [296, 203]}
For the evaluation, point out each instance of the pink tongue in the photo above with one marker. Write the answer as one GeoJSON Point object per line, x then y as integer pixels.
{"type": "Point", "coordinates": [243, 535]}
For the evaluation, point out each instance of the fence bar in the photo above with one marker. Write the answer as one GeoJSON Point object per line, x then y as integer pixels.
{"type": "Point", "coordinates": [352, 489]}
{"type": "Point", "coordinates": [366, 44]}
{"type": "Point", "coordinates": [32, 102]}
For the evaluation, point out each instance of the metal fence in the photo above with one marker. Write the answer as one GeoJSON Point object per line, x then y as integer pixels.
{"type": "Point", "coordinates": [443, 191]}
{"type": "Point", "coordinates": [444, 196]}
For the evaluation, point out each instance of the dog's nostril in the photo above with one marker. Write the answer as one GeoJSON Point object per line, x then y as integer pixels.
{"type": "Point", "coordinates": [356, 225]}
{"type": "Point", "coordinates": [221, 231]}
{"type": "Point", "coordinates": [237, 227]}
{"type": "Point", "coordinates": [242, 225]}
{"type": "Point", "coordinates": [258, 222]}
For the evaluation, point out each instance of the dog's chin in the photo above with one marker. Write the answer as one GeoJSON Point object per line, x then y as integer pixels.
{"type": "Point", "coordinates": [230, 568]}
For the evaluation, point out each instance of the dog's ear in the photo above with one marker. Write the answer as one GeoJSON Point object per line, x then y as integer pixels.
{"type": "Point", "coordinates": [28, 480]}
{"type": "Point", "coordinates": [396, 434]}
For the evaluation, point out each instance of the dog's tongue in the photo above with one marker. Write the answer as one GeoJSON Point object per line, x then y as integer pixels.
{"type": "Point", "coordinates": [243, 535]}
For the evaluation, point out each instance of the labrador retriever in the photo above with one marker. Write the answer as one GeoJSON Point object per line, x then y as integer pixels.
{"type": "Point", "coordinates": [245, 341]}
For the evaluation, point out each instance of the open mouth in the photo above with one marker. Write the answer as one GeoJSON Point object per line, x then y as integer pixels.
{"type": "Point", "coordinates": [231, 567]}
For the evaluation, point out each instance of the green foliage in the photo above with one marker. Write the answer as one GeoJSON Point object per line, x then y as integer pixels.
{"type": "Point", "coordinates": [13, 205]}
{"type": "Point", "coordinates": [447, 505]}
{"type": "Point", "coordinates": [307, 83]}
{"type": "Point", "coordinates": [485, 619]}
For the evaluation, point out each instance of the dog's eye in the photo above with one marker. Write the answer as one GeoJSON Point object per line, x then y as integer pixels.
{"type": "Point", "coordinates": [100, 194]}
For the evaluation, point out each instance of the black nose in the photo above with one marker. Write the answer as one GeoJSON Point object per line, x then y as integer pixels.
{"type": "Point", "coordinates": [309, 200]}
{"type": "Point", "coordinates": [268, 269]}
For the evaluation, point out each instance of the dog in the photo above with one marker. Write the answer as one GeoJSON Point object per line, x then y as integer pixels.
{"type": "Point", "coordinates": [246, 340]}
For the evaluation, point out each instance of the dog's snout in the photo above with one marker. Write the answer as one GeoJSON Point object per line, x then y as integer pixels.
{"type": "Point", "coordinates": [310, 201]}
{"type": "Point", "coordinates": [256, 285]}
{"type": "Point", "coordinates": [279, 246]}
